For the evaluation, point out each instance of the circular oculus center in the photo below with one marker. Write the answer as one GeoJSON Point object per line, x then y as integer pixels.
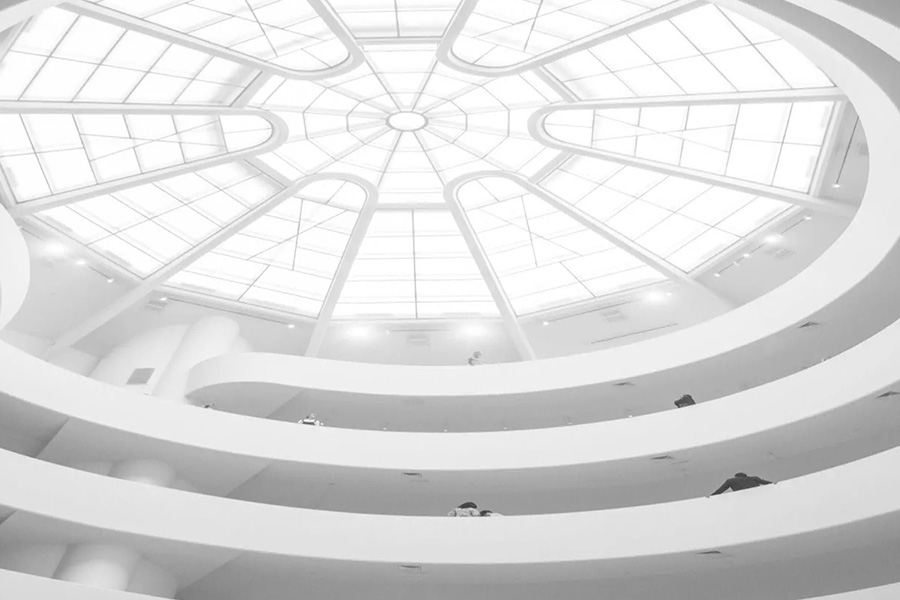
{"type": "Point", "coordinates": [407, 121]}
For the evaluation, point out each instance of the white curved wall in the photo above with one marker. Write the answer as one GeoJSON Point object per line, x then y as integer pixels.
{"type": "Point", "coordinates": [774, 521]}
{"type": "Point", "coordinates": [15, 268]}
{"type": "Point", "coordinates": [803, 515]}
{"type": "Point", "coordinates": [153, 349]}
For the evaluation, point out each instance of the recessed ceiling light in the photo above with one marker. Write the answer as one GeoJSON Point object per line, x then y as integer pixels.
{"type": "Point", "coordinates": [746, 255]}
{"type": "Point", "coordinates": [717, 274]}
{"type": "Point", "coordinates": [56, 249]}
{"type": "Point", "coordinates": [358, 332]}
{"type": "Point", "coordinates": [808, 218]}
{"type": "Point", "coordinates": [546, 323]}
{"type": "Point", "coordinates": [164, 299]}
{"type": "Point", "coordinates": [773, 238]}
{"type": "Point", "coordinates": [835, 185]}
{"type": "Point", "coordinates": [81, 262]}
{"type": "Point", "coordinates": [654, 297]}
{"type": "Point", "coordinates": [110, 280]}
{"type": "Point", "coordinates": [473, 330]}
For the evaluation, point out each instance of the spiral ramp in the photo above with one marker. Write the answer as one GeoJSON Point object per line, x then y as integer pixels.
{"type": "Point", "coordinates": [110, 494]}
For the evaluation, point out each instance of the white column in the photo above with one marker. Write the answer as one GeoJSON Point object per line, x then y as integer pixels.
{"type": "Point", "coordinates": [115, 567]}
{"type": "Point", "coordinates": [207, 338]}
{"type": "Point", "coordinates": [150, 472]}
{"type": "Point", "coordinates": [99, 565]}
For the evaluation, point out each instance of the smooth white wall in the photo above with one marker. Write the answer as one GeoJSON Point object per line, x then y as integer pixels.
{"type": "Point", "coordinates": [207, 338]}
{"type": "Point", "coordinates": [152, 349]}
{"type": "Point", "coordinates": [15, 271]}
{"type": "Point", "coordinates": [70, 359]}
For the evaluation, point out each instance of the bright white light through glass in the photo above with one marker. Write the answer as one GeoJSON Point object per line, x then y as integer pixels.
{"type": "Point", "coordinates": [189, 162]}
{"type": "Point", "coordinates": [473, 331]}
{"type": "Point", "coordinates": [359, 332]}
{"type": "Point", "coordinates": [407, 121]}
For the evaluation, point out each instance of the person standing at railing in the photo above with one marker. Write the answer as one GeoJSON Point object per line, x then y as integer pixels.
{"type": "Point", "coordinates": [466, 509]}
{"type": "Point", "coordinates": [311, 419]}
{"type": "Point", "coordinates": [740, 481]}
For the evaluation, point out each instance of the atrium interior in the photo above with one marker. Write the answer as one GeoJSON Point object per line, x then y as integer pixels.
{"type": "Point", "coordinates": [285, 285]}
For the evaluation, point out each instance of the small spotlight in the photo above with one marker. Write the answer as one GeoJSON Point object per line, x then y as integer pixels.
{"type": "Point", "coordinates": [717, 274]}
{"type": "Point", "coordinates": [81, 262]}
{"type": "Point", "coordinates": [164, 299]}
{"type": "Point", "coordinates": [546, 323]}
{"type": "Point", "coordinates": [358, 332]}
{"type": "Point", "coordinates": [773, 238]}
{"type": "Point", "coordinates": [473, 330]}
{"type": "Point", "coordinates": [291, 326]}
{"type": "Point", "coordinates": [746, 255]}
{"type": "Point", "coordinates": [836, 185]}
{"type": "Point", "coordinates": [655, 297]}
{"type": "Point", "coordinates": [110, 280]}
{"type": "Point", "coordinates": [808, 218]}
{"type": "Point", "coordinates": [56, 249]}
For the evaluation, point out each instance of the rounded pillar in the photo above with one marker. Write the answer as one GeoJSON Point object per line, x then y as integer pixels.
{"type": "Point", "coordinates": [207, 338]}
{"type": "Point", "coordinates": [100, 565]}
{"type": "Point", "coordinates": [151, 472]}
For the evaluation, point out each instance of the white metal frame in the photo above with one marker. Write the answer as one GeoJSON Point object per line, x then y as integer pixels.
{"type": "Point", "coordinates": [510, 319]}
{"type": "Point", "coordinates": [356, 57]}
{"type": "Point", "coordinates": [133, 296]}
{"type": "Point", "coordinates": [467, 7]}
{"type": "Point", "coordinates": [28, 207]}
{"type": "Point", "coordinates": [539, 132]}
{"type": "Point", "coordinates": [326, 313]}
{"type": "Point", "coordinates": [591, 224]}
{"type": "Point", "coordinates": [354, 54]}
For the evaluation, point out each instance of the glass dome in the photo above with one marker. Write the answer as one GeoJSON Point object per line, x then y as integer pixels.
{"type": "Point", "coordinates": [408, 159]}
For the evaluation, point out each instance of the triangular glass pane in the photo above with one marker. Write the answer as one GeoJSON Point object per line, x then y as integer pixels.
{"type": "Point", "coordinates": [705, 50]}
{"type": "Point", "coordinates": [290, 34]}
{"type": "Point", "coordinates": [682, 221]}
{"type": "Point", "coordinates": [415, 264]}
{"type": "Point", "coordinates": [774, 143]}
{"type": "Point", "coordinates": [146, 227]}
{"type": "Point", "coordinates": [285, 260]}
{"type": "Point", "coordinates": [544, 258]}
{"type": "Point", "coordinates": [44, 154]}
{"type": "Point", "coordinates": [503, 34]}
{"type": "Point", "coordinates": [60, 56]}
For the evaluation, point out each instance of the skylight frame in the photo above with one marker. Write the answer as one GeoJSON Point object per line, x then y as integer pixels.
{"type": "Point", "coordinates": [322, 8]}
{"type": "Point", "coordinates": [550, 157]}
{"type": "Point", "coordinates": [278, 126]}
{"type": "Point", "coordinates": [467, 7]}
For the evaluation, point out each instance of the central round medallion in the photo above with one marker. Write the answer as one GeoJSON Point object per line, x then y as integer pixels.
{"type": "Point", "coordinates": [407, 121]}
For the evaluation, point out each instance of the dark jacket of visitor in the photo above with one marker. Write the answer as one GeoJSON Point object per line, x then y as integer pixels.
{"type": "Point", "coordinates": [741, 481]}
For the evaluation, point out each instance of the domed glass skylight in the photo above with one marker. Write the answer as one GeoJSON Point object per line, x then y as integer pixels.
{"type": "Point", "coordinates": [405, 158]}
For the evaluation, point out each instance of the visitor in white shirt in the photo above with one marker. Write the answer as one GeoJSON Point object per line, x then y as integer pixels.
{"type": "Point", "coordinates": [466, 509]}
{"type": "Point", "coordinates": [311, 419]}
